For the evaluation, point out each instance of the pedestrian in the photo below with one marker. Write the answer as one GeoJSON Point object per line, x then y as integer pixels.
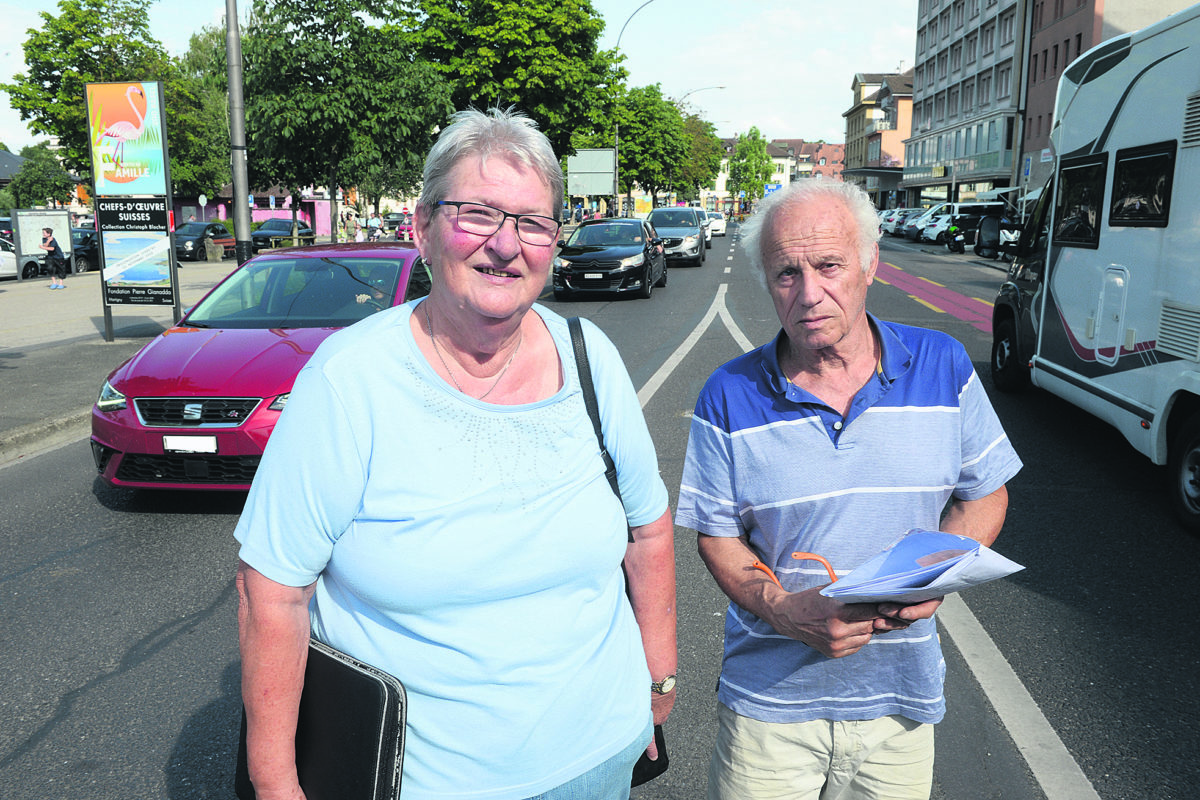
{"type": "Point", "coordinates": [835, 438]}
{"type": "Point", "coordinates": [55, 260]}
{"type": "Point", "coordinates": [433, 501]}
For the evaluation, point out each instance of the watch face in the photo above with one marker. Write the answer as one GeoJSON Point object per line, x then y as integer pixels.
{"type": "Point", "coordinates": [666, 684]}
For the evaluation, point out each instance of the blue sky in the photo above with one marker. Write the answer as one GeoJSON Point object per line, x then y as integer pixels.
{"type": "Point", "coordinates": [786, 65]}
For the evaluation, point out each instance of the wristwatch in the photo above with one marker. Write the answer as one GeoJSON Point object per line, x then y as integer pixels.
{"type": "Point", "coordinates": [665, 686]}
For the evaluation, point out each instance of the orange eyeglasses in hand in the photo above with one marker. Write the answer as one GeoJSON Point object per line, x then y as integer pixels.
{"type": "Point", "coordinates": [799, 556]}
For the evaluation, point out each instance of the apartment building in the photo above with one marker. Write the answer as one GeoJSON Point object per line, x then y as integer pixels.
{"type": "Point", "coordinates": [966, 105]}
{"type": "Point", "coordinates": [878, 124]}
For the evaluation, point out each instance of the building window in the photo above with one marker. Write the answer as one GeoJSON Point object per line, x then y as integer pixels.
{"type": "Point", "coordinates": [987, 36]}
{"type": "Point", "coordinates": [1054, 69]}
{"type": "Point", "coordinates": [968, 97]}
{"type": "Point", "coordinates": [958, 14]}
{"type": "Point", "coordinates": [970, 45]}
{"type": "Point", "coordinates": [956, 58]}
{"type": "Point", "coordinates": [953, 102]}
{"type": "Point", "coordinates": [1006, 28]}
{"type": "Point", "coordinates": [1066, 52]}
{"type": "Point", "coordinates": [1003, 80]}
{"type": "Point", "coordinates": [1033, 69]}
{"type": "Point", "coordinates": [942, 61]}
{"type": "Point", "coordinates": [985, 89]}
{"type": "Point", "coordinates": [1078, 44]}
{"type": "Point", "coordinates": [1045, 59]}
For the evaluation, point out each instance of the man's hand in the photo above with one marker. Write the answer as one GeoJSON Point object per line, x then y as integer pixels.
{"type": "Point", "coordinates": [896, 616]}
{"type": "Point", "coordinates": [833, 628]}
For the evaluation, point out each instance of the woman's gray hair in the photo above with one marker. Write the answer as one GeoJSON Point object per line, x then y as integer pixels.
{"type": "Point", "coordinates": [506, 133]}
{"type": "Point", "coordinates": [856, 201]}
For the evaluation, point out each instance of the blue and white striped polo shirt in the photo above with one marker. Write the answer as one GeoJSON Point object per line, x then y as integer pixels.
{"type": "Point", "coordinates": [769, 460]}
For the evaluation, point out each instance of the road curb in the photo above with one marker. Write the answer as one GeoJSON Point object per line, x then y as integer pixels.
{"type": "Point", "coordinates": [36, 437]}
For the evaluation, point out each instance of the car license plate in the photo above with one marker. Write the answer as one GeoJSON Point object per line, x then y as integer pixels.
{"type": "Point", "coordinates": [593, 276]}
{"type": "Point", "coordinates": [190, 444]}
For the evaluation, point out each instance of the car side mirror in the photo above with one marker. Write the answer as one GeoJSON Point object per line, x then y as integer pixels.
{"type": "Point", "coordinates": [988, 237]}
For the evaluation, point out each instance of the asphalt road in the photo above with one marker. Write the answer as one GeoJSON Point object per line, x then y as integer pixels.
{"type": "Point", "coordinates": [121, 670]}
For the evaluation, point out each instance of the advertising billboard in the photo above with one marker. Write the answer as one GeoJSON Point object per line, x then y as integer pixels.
{"type": "Point", "coordinates": [135, 242]}
{"type": "Point", "coordinates": [127, 137]}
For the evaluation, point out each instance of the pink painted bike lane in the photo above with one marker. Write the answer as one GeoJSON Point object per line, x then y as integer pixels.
{"type": "Point", "coordinates": [937, 297]}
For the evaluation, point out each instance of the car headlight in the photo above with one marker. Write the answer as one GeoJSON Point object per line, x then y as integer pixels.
{"type": "Point", "coordinates": [633, 261]}
{"type": "Point", "coordinates": [187, 245]}
{"type": "Point", "coordinates": [279, 402]}
{"type": "Point", "coordinates": [690, 240]}
{"type": "Point", "coordinates": [110, 399]}
{"type": "Point", "coordinates": [561, 263]}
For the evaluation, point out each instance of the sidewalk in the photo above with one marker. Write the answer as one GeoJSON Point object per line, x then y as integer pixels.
{"type": "Point", "coordinates": [53, 357]}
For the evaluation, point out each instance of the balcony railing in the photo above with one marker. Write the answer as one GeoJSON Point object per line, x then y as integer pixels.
{"type": "Point", "coordinates": [876, 125]}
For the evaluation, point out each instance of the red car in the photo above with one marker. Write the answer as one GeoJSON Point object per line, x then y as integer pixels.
{"type": "Point", "coordinates": [193, 409]}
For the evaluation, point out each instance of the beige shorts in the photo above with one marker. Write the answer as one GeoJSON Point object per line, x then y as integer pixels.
{"type": "Point", "coordinates": [890, 758]}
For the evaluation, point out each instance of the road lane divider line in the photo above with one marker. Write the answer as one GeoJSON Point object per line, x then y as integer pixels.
{"type": "Point", "coordinates": [1052, 765]}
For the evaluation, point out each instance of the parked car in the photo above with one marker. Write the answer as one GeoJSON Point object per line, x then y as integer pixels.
{"type": "Point", "coordinates": [683, 237]}
{"type": "Point", "coordinates": [194, 408]}
{"type": "Point", "coordinates": [278, 230]}
{"type": "Point", "coordinates": [400, 224]}
{"type": "Point", "coordinates": [85, 251]}
{"type": "Point", "coordinates": [935, 229]}
{"type": "Point", "coordinates": [716, 222]}
{"type": "Point", "coordinates": [29, 266]}
{"type": "Point", "coordinates": [190, 239]}
{"type": "Point", "coordinates": [610, 255]}
{"type": "Point", "coordinates": [893, 221]}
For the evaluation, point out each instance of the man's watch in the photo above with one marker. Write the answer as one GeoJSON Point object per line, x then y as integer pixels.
{"type": "Point", "coordinates": [665, 686]}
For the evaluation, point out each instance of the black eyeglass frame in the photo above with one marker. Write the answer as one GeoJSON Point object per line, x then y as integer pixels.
{"type": "Point", "coordinates": [458, 204]}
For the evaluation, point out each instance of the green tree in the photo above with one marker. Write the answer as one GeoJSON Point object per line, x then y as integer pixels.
{"type": "Point", "coordinates": [537, 55]}
{"type": "Point", "coordinates": [330, 95]}
{"type": "Point", "coordinates": [750, 167]}
{"type": "Point", "coordinates": [699, 167]}
{"type": "Point", "coordinates": [40, 179]}
{"type": "Point", "coordinates": [7, 202]}
{"type": "Point", "coordinates": [90, 41]}
{"type": "Point", "coordinates": [653, 140]}
{"type": "Point", "coordinates": [198, 117]}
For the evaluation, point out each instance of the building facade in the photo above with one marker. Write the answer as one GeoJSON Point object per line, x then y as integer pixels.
{"type": "Point", "coordinates": [966, 106]}
{"type": "Point", "coordinates": [881, 121]}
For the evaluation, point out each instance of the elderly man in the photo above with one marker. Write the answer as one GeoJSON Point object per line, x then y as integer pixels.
{"type": "Point", "coordinates": [835, 438]}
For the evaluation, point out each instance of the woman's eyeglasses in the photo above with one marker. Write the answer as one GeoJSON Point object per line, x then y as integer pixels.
{"type": "Point", "coordinates": [485, 220]}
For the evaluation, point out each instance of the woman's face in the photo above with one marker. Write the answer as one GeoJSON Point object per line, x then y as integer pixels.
{"type": "Point", "coordinates": [495, 276]}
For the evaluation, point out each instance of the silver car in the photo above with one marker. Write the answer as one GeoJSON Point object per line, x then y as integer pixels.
{"type": "Point", "coordinates": [682, 233]}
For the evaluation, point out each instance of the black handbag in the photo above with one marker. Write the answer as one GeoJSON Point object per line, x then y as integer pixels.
{"type": "Point", "coordinates": [645, 769]}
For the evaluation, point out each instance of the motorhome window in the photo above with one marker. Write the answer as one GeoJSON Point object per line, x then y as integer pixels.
{"type": "Point", "coordinates": [1080, 201]}
{"type": "Point", "coordinates": [1142, 180]}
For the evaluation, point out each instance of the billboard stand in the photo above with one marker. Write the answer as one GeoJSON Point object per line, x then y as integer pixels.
{"type": "Point", "coordinates": [131, 175]}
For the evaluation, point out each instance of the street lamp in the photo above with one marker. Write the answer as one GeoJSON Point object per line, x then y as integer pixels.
{"type": "Point", "coordinates": [686, 95]}
{"type": "Point", "coordinates": [617, 123]}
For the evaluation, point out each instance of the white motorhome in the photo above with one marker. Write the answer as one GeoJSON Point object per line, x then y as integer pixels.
{"type": "Point", "coordinates": [1101, 305]}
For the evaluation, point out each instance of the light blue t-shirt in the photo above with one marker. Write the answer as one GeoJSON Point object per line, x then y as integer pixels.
{"type": "Point", "coordinates": [770, 461]}
{"type": "Point", "coordinates": [472, 550]}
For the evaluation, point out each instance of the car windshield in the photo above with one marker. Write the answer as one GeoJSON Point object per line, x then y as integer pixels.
{"type": "Point", "coordinates": [300, 293]}
{"type": "Point", "coordinates": [674, 218]}
{"type": "Point", "coordinates": [607, 235]}
{"type": "Point", "coordinates": [279, 224]}
{"type": "Point", "coordinates": [190, 228]}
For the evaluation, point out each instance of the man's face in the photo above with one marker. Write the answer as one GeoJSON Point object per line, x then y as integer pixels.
{"type": "Point", "coordinates": [811, 263]}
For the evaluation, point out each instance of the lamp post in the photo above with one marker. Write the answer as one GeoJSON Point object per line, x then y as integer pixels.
{"type": "Point", "coordinates": [686, 95]}
{"type": "Point", "coordinates": [617, 123]}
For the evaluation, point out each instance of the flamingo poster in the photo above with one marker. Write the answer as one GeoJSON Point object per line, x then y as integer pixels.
{"type": "Point", "coordinates": [125, 126]}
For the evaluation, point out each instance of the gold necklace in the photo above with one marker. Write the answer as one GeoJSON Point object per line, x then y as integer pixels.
{"type": "Point", "coordinates": [449, 372]}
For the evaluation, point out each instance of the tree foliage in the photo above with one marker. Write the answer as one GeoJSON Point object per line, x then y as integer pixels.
{"type": "Point", "coordinates": [89, 41]}
{"type": "Point", "coordinates": [699, 167]}
{"type": "Point", "coordinates": [330, 96]}
{"type": "Point", "coordinates": [40, 179]}
{"type": "Point", "coordinates": [653, 140]}
{"type": "Point", "coordinates": [198, 117]}
{"type": "Point", "coordinates": [750, 167]}
{"type": "Point", "coordinates": [537, 55]}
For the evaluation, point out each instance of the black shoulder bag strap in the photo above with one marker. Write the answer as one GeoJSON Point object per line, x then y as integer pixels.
{"type": "Point", "coordinates": [644, 770]}
{"type": "Point", "coordinates": [589, 400]}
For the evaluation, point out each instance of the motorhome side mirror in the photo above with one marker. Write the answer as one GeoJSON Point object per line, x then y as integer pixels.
{"type": "Point", "coordinates": [988, 237]}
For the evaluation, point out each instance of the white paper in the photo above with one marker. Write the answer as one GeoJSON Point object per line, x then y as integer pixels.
{"type": "Point", "coordinates": [921, 566]}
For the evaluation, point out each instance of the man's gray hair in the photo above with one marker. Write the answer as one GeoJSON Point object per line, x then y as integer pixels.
{"type": "Point", "coordinates": [856, 201]}
{"type": "Point", "coordinates": [505, 133]}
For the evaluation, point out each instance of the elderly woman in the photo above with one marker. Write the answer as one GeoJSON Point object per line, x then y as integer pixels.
{"type": "Point", "coordinates": [433, 502]}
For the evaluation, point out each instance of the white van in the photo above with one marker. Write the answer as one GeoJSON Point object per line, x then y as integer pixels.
{"type": "Point", "coordinates": [1101, 305]}
{"type": "Point", "coordinates": [963, 208]}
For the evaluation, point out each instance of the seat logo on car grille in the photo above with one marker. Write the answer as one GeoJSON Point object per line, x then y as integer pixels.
{"type": "Point", "coordinates": [193, 411]}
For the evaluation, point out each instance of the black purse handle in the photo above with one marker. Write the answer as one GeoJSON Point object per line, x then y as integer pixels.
{"type": "Point", "coordinates": [593, 408]}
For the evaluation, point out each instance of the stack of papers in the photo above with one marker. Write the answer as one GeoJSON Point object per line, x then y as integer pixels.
{"type": "Point", "coordinates": [921, 566]}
